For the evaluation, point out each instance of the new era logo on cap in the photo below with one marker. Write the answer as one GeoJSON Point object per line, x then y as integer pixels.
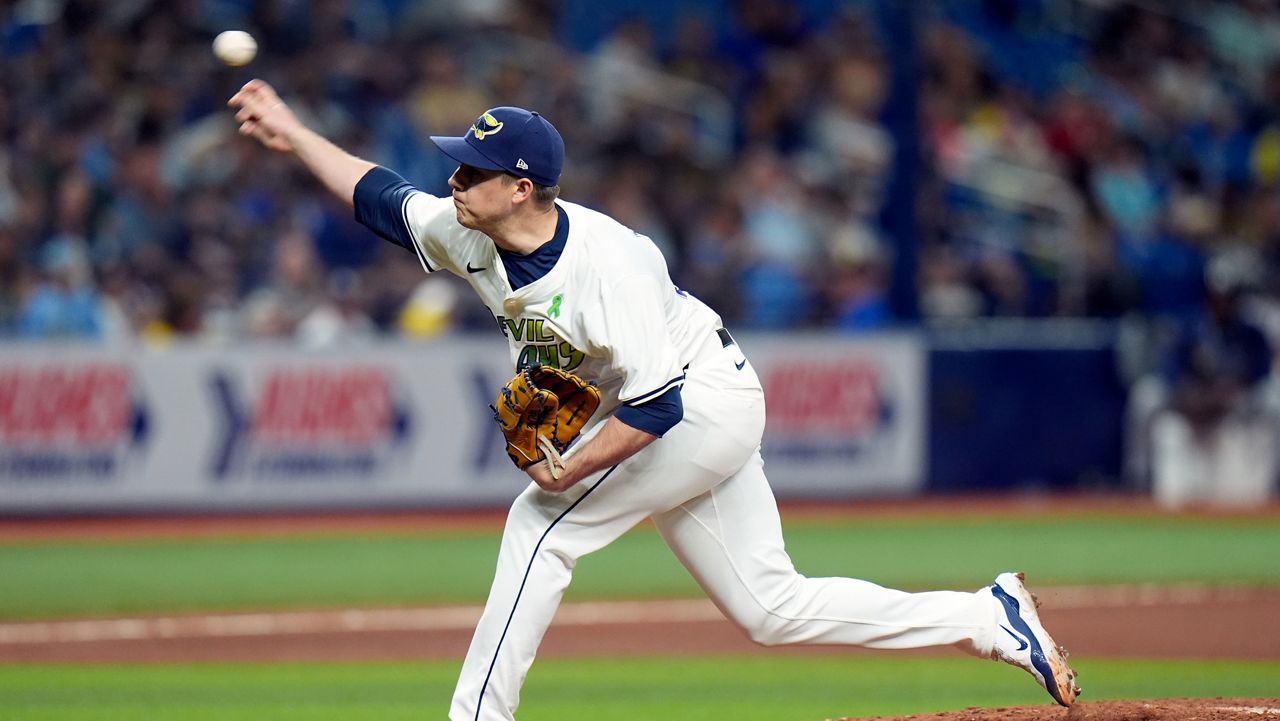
{"type": "Point", "coordinates": [514, 140]}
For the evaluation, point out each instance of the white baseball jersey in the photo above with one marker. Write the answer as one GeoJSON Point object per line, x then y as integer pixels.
{"type": "Point", "coordinates": [606, 311]}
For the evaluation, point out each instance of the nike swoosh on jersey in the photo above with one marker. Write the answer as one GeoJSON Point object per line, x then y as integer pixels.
{"type": "Point", "coordinates": [741, 364]}
{"type": "Point", "coordinates": [474, 270]}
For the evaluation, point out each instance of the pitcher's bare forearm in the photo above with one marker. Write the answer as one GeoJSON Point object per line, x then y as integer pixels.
{"type": "Point", "coordinates": [615, 443]}
{"type": "Point", "coordinates": [337, 169]}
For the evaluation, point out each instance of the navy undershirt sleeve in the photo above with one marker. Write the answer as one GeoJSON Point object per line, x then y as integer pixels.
{"type": "Point", "coordinates": [656, 416]}
{"type": "Point", "coordinates": [379, 205]}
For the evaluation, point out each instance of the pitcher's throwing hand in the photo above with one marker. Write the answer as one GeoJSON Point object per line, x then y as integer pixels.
{"type": "Point", "coordinates": [264, 116]}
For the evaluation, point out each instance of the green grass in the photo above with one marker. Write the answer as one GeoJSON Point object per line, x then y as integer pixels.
{"type": "Point", "coordinates": [100, 578]}
{"type": "Point", "coordinates": [156, 576]}
{"type": "Point", "coordinates": [758, 688]}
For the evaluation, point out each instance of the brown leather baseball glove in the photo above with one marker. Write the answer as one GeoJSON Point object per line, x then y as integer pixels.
{"type": "Point", "coordinates": [541, 411]}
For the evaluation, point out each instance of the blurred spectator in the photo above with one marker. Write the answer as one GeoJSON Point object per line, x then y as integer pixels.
{"type": "Point", "coordinates": [1246, 36]}
{"type": "Point", "coordinates": [1215, 439]}
{"type": "Point", "coordinates": [295, 289]}
{"type": "Point", "coordinates": [945, 292]}
{"type": "Point", "coordinates": [1169, 265]}
{"type": "Point", "coordinates": [64, 304]}
{"type": "Point", "coordinates": [857, 288]}
{"type": "Point", "coordinates": [848, 148]}
{"type": "Point", "coordinates": [625, 68]}
{"type": "Point", "coordinates": [782, 244]}
{"type": "Point", "coordinates": [447, 97]}
{"type": "Point", "coordinates": [430, 309]}
{"type": "Point", "coordinates": [338, 319]}
{"type": "Point", "coordinates": [14, 279]}
{"type": "Point", "coordinates": [1123, 187]}
{"type": "Point", "coordinates": [715, 253]}
{"type": "Point", "coordinates": [627, 199]}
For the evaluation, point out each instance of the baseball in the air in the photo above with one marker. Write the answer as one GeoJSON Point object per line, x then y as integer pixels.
{"type": "Point", "coordinates": [235, 47]}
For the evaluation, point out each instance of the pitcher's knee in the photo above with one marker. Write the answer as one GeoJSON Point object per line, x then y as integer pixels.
{"type": "Point", "coordinates": [767, 629]}
{"type": "Point", "coordinates": [767, 615]}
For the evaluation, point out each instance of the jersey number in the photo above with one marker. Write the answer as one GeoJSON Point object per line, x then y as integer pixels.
{"type": "Point", "coordinates": [560, 355]}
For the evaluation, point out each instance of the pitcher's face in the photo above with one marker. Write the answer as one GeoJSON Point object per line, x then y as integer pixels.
{"type": "Point", "coordinates": [481, 197]}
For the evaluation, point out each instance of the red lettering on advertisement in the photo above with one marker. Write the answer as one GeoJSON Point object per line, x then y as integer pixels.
{"type": "Point", "coordinates": [81, 404]}
{"type": "Point", "coordinates": [350, 405]}
{"type": "Point", "coordinates": [841, 397]}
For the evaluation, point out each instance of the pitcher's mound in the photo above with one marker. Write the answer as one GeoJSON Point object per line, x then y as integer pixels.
{"type": "Point", "coordinates": [1168, 709]}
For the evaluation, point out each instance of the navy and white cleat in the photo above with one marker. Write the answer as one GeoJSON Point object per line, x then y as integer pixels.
{"type": "Point", "coordinates": [1022, 641]}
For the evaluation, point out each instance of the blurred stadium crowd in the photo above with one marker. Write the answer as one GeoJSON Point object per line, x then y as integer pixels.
{"type": "Point", "coordinates": [1079, 158]}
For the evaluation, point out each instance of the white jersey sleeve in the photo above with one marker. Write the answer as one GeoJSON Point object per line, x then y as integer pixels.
{"type": "Point", "coordinates": [394, 209]}
{"type": "Point", "coordinates": [431, 222]}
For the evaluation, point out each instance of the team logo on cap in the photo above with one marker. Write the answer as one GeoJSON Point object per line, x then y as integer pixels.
{"type": "Point", "coordinates": [485, 125]}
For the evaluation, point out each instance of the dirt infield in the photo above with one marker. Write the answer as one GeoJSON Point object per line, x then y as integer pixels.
{"type": "Point", "coordinates": [1173, 709]}
{"type": "Point", "coordinates": [1211, 623]}
{"type": "Point", "coordinates": [117, 527]}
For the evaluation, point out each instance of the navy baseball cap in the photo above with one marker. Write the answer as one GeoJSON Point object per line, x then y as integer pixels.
{"type": "Point", "coordinates": [514, 140]}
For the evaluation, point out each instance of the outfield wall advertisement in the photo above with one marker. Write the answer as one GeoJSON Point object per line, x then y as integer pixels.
{"type": "Point", "coordinates": [278, 428]}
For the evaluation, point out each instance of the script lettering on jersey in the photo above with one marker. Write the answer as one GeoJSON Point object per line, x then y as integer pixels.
{"type": "Point", "coordinates": [540, 344]}
{"type": "Point", "coordinates": [527, 329]}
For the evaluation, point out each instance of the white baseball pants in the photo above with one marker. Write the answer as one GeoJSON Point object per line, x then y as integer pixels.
{"type": "Point", "coordinates": [703, 484]}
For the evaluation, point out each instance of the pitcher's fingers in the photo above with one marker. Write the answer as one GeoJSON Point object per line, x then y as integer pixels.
{"type": "Point", "coordinates": [241, 94]}
{"type": "Point", "coordinates": [246, 91]}
{"type": "Point", "coordinates": [263, 92]}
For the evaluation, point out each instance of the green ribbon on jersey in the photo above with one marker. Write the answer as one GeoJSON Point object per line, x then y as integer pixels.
{"type": "Point", "coordinates": [554, 310]}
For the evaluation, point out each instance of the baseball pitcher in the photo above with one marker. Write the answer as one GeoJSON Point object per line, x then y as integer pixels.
{"type": "Point", "coordinates": [652, 411]}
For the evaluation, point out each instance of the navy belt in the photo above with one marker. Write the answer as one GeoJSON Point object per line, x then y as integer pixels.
{"type": "Point", "coordinates": [726, 340]}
